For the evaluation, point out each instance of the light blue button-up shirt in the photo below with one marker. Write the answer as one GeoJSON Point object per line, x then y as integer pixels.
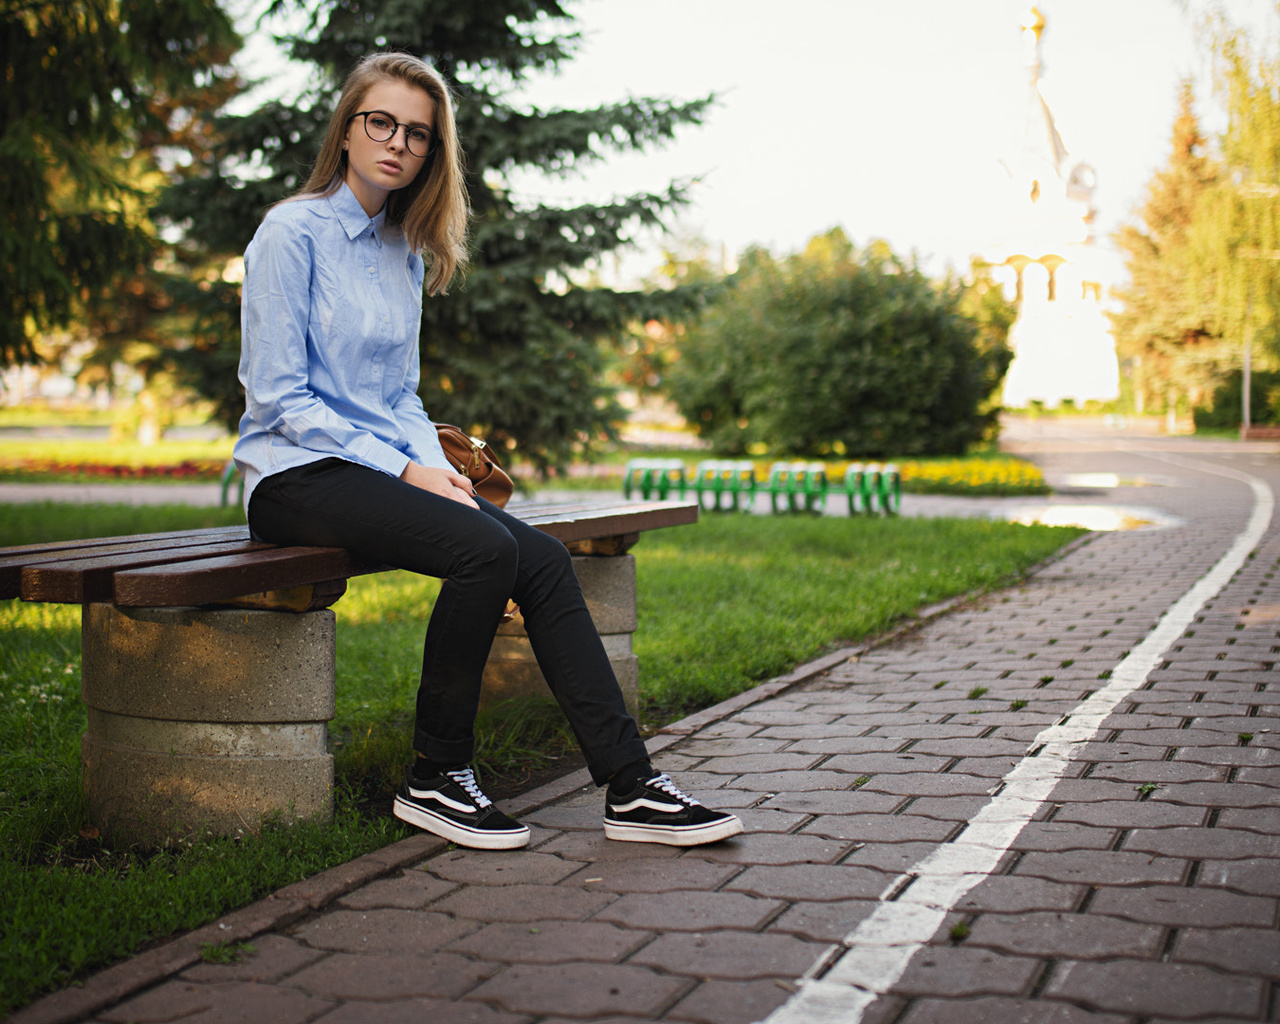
{"type": "Point", "coordinates": [330, 313]}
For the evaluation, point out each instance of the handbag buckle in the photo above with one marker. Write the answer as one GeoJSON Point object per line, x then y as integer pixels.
{"type": "Point", "coordinates": [477, 451]}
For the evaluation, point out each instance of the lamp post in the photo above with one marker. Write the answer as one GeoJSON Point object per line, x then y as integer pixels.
{"type": "Point", "coordinates": [1253, 190]}
{"type": "Point", "coordinates": [1247, 369]}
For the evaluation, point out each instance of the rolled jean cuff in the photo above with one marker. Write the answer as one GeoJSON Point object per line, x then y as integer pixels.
{"type": "Point", "coordinates": [443, 751]}
{"type": "Point", "coordinates": [619, 757]}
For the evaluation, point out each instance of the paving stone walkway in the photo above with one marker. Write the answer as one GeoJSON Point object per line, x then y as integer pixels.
{"type": "Point", "coordinates": [1003, 815]}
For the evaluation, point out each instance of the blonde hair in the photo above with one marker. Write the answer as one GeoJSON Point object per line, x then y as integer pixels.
{"type": "Point", "coordinates": [432, 210]}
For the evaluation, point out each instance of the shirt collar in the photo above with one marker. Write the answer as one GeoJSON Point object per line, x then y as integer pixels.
{"type": "Point", "coordinates": [355, 222]}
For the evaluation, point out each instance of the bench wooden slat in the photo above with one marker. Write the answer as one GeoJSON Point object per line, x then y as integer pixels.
{"type": "Point", "coordinates": [13, 560]}
{"type": "Point", "coordinates": [218, 564]}
{"type": "Point", "coordinates": [78, 580]}
{"type": "Point", "coordinates": [211, 580]}
{"type": "Point", "coordinates": [588, 521]}
{"type": "Point", "coordinates": [203, 532]}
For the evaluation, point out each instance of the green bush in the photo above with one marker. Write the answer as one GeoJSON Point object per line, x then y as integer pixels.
{"type": "Point", "coordinates": [835, 352]}
{"type": "Point", "coordinates": [1224, 409]}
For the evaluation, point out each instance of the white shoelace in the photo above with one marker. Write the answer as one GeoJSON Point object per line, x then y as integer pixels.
{"type": "Point", "coordinates": [466, 778]}
{"type": "Point", "coordinates": [664, 783]}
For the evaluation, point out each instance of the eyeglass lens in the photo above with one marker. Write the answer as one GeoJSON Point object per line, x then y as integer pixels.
{"type": "Point", "coordinates": [380, 127]}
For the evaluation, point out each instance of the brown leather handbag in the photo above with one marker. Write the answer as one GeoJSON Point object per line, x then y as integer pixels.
{"type": "Point", "coordinates": [479, 463]}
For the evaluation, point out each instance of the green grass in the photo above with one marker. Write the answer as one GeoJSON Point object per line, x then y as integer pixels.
{"type": "Point", "coordinates": [739, 598]}
{"type": "Point", "coordinates": [49, 521]}
{"type": "Point", "coordinates": [723, 605]}
{"type": "Point", "coordinates": [36, 413]}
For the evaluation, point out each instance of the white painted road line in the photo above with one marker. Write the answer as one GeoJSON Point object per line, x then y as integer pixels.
{"type": "Point", "coordinates": [868, 963]}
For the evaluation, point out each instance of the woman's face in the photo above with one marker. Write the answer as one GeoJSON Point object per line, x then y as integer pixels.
{"type": "Point", "coordinates": [375, 169]}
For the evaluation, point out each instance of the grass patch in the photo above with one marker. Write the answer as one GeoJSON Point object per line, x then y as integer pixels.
{"type": "Point", "coordinates": [226, 952]}
{"type": "Point", "coordinates": [89, 906]}
{"type": "Point", "coordinates": [723, 604]}
{"type": "Point", "coordinates": [736, 599]}
{"type": "Point", "coordinates": [48, 521]}
{"type": "Point", "coordinates": [34, 413]}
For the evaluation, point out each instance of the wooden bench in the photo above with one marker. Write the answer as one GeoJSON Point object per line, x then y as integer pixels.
{"type": "Point", "coordinates": [208, 659]}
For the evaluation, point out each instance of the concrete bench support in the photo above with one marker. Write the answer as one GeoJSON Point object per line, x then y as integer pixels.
{"type": "Point", "coordinates": [205, 719]}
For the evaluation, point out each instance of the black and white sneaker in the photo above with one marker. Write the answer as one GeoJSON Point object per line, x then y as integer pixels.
{"type": "Point", "coordinates": [655, 811]}
{"type": "Point", "coordinates": [451, 805]}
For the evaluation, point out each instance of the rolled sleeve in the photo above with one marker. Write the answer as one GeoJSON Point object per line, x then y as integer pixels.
{"type": "Point", "coordinates": [424, 440]}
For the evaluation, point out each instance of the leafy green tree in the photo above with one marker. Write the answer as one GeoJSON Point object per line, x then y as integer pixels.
{"type": "Point", "coordinates": [1222, 410]}
{"type": "Point", "coordinates": [983, 301]}
{"type": "Point", "coordinates": [835, 351]}
{"type": "Point", "coordinates": [514, 351]}
{"type": "Point", "coordinates": [1235, 233]}
{"type": "Point", "coordinates": [93, 92]}
{"type": "Point", "coordinates": [651, 346]}
{"type": "Point", "coordinates": [1166, 332]}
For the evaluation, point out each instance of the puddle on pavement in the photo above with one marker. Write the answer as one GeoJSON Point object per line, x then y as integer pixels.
{"type": "Point", "coordinates": [1109, 481]}
{"type": "Point", "coordinates": [1093, 517]}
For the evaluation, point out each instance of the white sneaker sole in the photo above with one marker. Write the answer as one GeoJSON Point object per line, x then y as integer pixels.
{"type": "Point", "coordinates": [673, 835]}
{"type": "Point", "coordinates": [476, 838]}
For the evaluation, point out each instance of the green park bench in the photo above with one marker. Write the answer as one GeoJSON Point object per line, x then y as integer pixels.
{"type": "Point", "coordinates": [731, 485]}
{"type": "Point", "coordinates": [654, 478]}
{"type": "Point", "coordinates": [797, 486]}
{"type": "Point", "coordinates": [208, 659]}
{"type": "Point", "coordinates": [725, 485]}
{"type": "Point", "coordinates": [873, 487]}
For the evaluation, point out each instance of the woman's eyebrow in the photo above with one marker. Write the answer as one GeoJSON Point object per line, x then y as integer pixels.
{"type": "Point", "coordinates": [411, 124]}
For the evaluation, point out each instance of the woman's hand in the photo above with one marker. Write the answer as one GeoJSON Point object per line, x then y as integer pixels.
{"type": "Point", "coordinates": [444, 482]}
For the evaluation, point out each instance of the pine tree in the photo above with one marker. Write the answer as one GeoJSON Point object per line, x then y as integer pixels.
{"type": "Point", "coordinates": [514, 350]}
{"type": "Point", "coordinates": [93, 91]}
{"type": "Point", "coordinates": [1165, 333]}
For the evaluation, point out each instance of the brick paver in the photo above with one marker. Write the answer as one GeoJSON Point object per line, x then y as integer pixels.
{"type": "Point", "coordinates": [1145, 888]}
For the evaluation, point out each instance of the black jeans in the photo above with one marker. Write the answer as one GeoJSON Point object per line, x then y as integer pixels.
{"type": "Point", "coordinates": [484, 557]}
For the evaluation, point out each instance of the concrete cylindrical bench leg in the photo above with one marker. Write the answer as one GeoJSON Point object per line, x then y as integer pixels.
{"type": "Point", "coordinates": [609, 585]}
{"type": "Point", "coordinates": [205, 719]}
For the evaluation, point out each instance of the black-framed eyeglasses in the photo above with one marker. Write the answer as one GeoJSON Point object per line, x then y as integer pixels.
{"type": "Point", "coordinates": [381, 127]}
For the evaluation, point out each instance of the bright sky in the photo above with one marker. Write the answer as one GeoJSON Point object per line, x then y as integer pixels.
{"type": "Point", "coordinates": [885, 117]}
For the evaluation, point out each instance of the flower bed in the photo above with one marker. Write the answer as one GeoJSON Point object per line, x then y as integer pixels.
{"type": "Point", "coordinates": [972, 476]}
{"type": "Point", "coordinates": [999, 476]}
{"type": "Point", "coordinates": [40, 470]}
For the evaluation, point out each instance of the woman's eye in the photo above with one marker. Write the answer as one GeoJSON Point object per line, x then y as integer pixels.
{"type": "Point", "coordinates": [382, 123]}
{"type": "Point", "coordinates": [418, 135]}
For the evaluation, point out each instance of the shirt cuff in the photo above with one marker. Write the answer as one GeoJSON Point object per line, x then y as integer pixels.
{"type": "Point", "coordinates": [386, 458]}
